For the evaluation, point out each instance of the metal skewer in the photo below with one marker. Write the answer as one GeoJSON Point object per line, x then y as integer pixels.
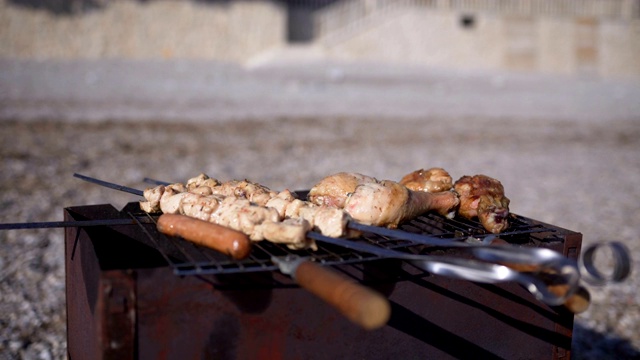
{"type": "Point", "coordinates": [65, 224]}
{"type": "Point", "coordinates": [81, 223]}
{"type": "Point", "coordinates": [109, 184]}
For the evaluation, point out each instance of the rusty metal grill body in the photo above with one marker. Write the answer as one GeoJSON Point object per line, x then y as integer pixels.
{"type": "Point", "coordinates": [134, 293]}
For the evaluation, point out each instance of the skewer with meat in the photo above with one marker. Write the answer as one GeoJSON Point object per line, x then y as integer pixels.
{"type": "Point", "coordinates": [380, 203]}
{"type": "Point", "coordinates": [254, 192]}
{"type": "Point", "coordinates": [329, 221]}
{"type": "Point", "coordinates": [258, 222]}
{"type": "Point", "coordinates": [371, 202]}
{"type": "Point", "coordinates": [483, 197]}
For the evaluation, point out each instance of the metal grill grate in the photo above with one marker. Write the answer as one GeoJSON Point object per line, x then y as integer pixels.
{"type": "Point", "coordinates": [187, 258]}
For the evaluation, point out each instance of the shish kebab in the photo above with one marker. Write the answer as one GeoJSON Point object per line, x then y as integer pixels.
{"type": "Point", "coordinates": [226, 240]}
{"type": "Point", "coordinates": [574, 297]}
{"type": "Point", "coordinates": [335, 202]}
{"type": "Point", "coordinates": [562, 269]}
{"type": "Point", "coordinates": [281, 217]}
{"type": "Point", "coordinates": [258, 222]}
{"type": "Point", "coordinates": [170, 197]}
{"type": "Point", "coordinates": [489, 256]}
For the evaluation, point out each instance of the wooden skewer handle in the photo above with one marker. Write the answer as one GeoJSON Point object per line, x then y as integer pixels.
{"type": "Point", "coordinates": [361, 305]}
{"type": "Point", "coordinates": [217, 237]}
{"type": "Point", "coordinates": [578, 302]}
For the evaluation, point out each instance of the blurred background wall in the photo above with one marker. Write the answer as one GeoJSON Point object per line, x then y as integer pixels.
{"type": "Point", "coordinates": [73, 29]}
{"type": "Point", "coordinates": [591, 37]}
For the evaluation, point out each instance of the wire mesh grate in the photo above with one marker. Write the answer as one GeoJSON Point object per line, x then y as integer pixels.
{"type": "Point", "coordinates": [187, 258]}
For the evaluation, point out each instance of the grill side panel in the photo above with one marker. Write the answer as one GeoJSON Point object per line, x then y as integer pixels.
{"type": "Point", "coordinates": [432, 317]}
{"type": "Point", "coordinates": [100, 303]}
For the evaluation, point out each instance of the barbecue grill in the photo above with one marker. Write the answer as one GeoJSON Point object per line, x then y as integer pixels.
{"type": "Point", "coordinates": [134, 293]}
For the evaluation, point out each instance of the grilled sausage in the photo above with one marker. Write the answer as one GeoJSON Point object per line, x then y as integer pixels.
{"type": "Point", "coordinates": [219, 238]}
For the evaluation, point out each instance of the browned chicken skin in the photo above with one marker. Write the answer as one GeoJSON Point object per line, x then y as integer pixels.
{"type": "Point", "coordinates": [432, 180]}
{"type": "Point", "coordinates": [333, 190]}
{"type": "Point", "coordinates": [483, 197]}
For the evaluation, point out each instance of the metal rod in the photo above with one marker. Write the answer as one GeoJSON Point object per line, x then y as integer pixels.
{"type": "Point", "coordinates": [65, 224]}
{"type": "Point", "coordinates": [413, 237]}
{"type": "Point", "coordinates": [155, 182]}
{"type": "Point", "coordinates": [110, 185]}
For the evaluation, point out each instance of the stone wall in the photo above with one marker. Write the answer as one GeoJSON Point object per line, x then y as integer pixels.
{"type": "Point", "coordinates": [587, 37]}
{"type": "Point", "coordinates": [584, 37]}
{"type": "Point", "coordinates": [227, 31]}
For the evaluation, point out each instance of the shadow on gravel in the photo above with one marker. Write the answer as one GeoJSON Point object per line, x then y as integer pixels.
{"type": "Point", "coordinates": [590, 344]}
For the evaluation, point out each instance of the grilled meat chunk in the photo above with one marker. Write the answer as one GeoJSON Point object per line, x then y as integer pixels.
{"type": "Point", "coordinates": [333, 190]}
{"type": "Point", "coordinates": [289, 229]}
{"type": "Point", "coordinates": [258, 222]}
{"type": "Point", "coordinates": [381, 203]}
{"type": "Point", "coordinates": [327, 220]}
{"type": "Point", "coordinates": [254, 192]}
{"type": "Point", "coordinates": [483, 197]}
{"type": "Point", "coordinates": [432, 180]}
{"type": "Point", "coordinates": [388, 203]}
{"type": "Point", "coordinates": [154, 195]}
{"type": "Point", "coordinates": [202, 180]}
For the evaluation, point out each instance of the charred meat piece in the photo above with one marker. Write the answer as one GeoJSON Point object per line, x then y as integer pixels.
{"type": "Point", "coordinates": [483, 197]}
{"type": "Point", "coordinates": [431, 180]}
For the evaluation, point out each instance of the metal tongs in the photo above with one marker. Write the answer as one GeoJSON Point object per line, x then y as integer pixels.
{"type": "Point", "coordinates": [487, 267]}
{"type": "Point", "coordinates": [525, 265]}
{"type": "Point", "coordinates": [620, 257]}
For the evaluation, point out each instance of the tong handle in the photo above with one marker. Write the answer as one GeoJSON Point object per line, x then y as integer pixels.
{"type": "Point", "coordinates": [578, 302]}
{"type": "Point", "coordinates": [217, 237]}
{"type": "Point", "coordinates": [361, 305]}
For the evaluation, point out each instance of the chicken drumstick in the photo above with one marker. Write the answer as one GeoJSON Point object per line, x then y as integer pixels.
{"type": "Point", "coordinates": [483, 197]}
{"type": "Point", "coordinates": [380, 203]}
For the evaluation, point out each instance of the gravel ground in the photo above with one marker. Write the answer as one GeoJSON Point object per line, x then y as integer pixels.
{"type": "Point", "coordinates": [577, 170]}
